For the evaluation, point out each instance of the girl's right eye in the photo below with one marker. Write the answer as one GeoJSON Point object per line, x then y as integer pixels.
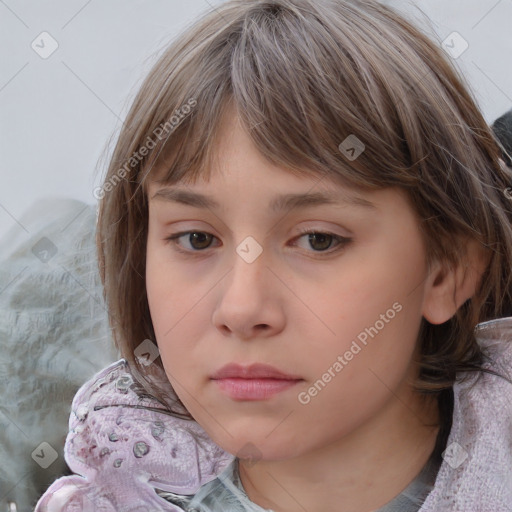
{"type": "Point", "coordinates": [200, 237]}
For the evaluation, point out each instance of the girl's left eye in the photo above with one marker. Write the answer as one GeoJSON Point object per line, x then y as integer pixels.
{"type": "Point", "coordinates": [201, 240]}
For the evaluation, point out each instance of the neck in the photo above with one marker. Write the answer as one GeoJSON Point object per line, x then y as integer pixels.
{"type": "Point", "coordinates": [359, 472]}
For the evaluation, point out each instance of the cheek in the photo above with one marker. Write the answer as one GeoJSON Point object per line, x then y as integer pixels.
{"type": "Point", "coordinates": [170, 290]}
{"type": "Point", "coordinates": [356, 370]}
{"type": "Point", "coordinates": [369, 313]}
{"type": "Point", "coordinates": [378, 289]}
{"type": "Point", "coordinates": [171, 298]}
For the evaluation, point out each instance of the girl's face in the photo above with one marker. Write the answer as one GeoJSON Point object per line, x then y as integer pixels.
{"type": "Point", "coordinates": [339, 311]}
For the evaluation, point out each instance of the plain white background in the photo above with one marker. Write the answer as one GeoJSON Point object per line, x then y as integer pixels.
{"type": "Point", "coordinates": [58, 113]}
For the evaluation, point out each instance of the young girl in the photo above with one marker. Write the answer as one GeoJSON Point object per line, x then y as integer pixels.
{"type": "Point", "coordinates": [305, 241]}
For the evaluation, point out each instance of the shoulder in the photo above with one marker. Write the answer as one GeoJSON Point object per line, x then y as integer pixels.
{"type": "Point", "coordinates": [490, 392]}
{"type": "Point", "coordinates": [476, 473]}
{"type": "Point", "coordinates": [495, 338]}
{"type": "Point", "coordinates": [121, 441]}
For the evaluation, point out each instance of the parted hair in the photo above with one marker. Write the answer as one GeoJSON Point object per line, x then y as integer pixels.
{"type": "Point", "coordinates": [302, 76]}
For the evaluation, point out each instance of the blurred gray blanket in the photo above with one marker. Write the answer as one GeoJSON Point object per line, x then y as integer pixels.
{"type": "Point", "coordinates": [54, 336]}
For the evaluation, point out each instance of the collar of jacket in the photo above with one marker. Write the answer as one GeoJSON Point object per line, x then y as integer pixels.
{"type": "Point", "coordinates": [123, 444]}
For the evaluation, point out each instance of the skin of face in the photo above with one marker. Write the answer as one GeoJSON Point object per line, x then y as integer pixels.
{"type": "Point", "coordinates": [299, 309]}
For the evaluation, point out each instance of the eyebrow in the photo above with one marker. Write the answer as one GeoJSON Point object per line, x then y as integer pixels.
{"type": "Point", "coordinates": [285, 202]}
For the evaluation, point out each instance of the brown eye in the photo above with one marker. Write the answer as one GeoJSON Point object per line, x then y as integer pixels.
{"type": "Point", "coordinates": [320, 241]}
{"type": "Point", "coordinates": [198, 240]}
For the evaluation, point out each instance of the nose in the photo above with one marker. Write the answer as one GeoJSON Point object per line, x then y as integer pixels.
{"type": "Point", "coordinates": [249, 303]}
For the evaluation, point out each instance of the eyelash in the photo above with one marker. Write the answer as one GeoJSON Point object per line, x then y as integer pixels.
{"type": "Point", "coordinates": [342, 241]}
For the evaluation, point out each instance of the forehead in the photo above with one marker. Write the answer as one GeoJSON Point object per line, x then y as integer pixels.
{"type": "Point", "coordinates": [233, 157]}
{"type": "Point", "coordinates": [235, 164]}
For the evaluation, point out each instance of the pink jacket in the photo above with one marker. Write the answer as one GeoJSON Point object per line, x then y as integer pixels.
{"type": "Point", "coordinates": [124, 445]}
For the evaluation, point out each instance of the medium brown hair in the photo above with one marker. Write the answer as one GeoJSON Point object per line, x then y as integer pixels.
{"type": "Point", "coordinates": [303, 75]}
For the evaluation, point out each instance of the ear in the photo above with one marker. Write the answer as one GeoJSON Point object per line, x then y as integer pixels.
{"type": "Point", "coordinates": [448, 287]}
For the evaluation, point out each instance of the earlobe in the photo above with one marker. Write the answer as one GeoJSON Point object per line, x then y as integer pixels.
{"type": "Point", "coordinates": [448, 286]}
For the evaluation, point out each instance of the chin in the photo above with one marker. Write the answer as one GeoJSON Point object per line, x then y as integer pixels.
{"type": "Point", "coordinates": [254, 447]}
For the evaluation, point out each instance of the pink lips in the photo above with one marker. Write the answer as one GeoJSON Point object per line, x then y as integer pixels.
{"type": "Point", "coordinates": [254, 382]}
